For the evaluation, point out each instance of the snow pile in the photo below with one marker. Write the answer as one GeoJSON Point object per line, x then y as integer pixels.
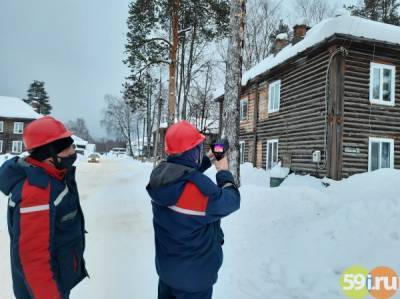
{"type": "Point", "coordinates": [294, 241]}
{"type": "Point", "coordinates": [291, 241]}
{"type": "Point", "coordinates": [249, 175]}
{"type": "Point", "coordinates": [343, 23]}
{"type": "Point", "coordinates": [16, 108]}
{"type": "Point", "coordinates": [279, 172]}
{"type": "Point", "coordinates": [282, 36]}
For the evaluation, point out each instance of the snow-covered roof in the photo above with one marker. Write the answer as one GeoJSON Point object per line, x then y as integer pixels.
{"type": "Point", "coordinates": [79, 141]}
{"type": "Point", "coordinates": [342, 23]}
{"type": "Point", "coordinates": [282, 36]}
{"type": "Point", "coordinates": [16, 108]}
{"type": "Point", "coordinates": [219, 92]}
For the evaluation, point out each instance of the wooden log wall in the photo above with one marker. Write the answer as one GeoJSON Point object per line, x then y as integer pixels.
{"type": "Point", "coordinates": [8, 135]}
{"type": "Point", "coordinates": [361, 118]}
{"type": "Point", "coordinates": [299, 124]}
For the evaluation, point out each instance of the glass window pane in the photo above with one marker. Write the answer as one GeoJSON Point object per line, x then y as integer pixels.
{"type": "Point", "coordinates": [271, 99]}
{"type": "Point", "coordinates": [278, 91]}
{"type": "Point", "coordinates": [376, 83]}
{"type": "Point", "coordinates": [385, 162]}
{"type": "Point", "coordinates": [269, 158]}
{"type": "Point", "coordinates": [387, 84]}
{"type": "Point", "coordinates": [374, 155]}
{"type": "Point", "coordinates": [275, 153]}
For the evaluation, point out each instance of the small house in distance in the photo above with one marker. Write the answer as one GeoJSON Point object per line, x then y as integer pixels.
{"type": "Point", "coordinates": [326, 103]}
{"type": "Point", "coordinates": [83, 147]}
{"type": "Point", "coordinates": [15, 114]}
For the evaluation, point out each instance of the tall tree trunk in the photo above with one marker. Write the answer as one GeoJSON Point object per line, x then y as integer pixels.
{"type": "Point", "coordinates": [158, 128]}
{"type": "Point", "coordinates": [189, 74]}
{"type": "Point", "coordinates": [231, 124]}
{"type": "Point", "coordinates": [138, 136]}
{"type": "Point", "coordinates": [143, 134]}
{"type": "Point", "coordinates": [181, 76]}
{"type": "Point", "coordinates": [130, 144]}
{"type": "Point", "coordinates": [172, 66]}
{"type": "Point", "coordinates": [205, 94]}
{"type": "Point", "coordinates": [149, 118]}
{"type": "Point", "coordinates": [129, 135]}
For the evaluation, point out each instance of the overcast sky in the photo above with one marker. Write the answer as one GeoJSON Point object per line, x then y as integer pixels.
{"type": "Point", "coordinates": [75, 46]}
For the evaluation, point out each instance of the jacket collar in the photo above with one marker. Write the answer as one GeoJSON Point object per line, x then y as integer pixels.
{"type": "Point", "coordinates": [180, 161]}
{"type": "Point", "coordinates": [50, 170]}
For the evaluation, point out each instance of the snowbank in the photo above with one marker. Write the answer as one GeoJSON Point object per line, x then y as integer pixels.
{"type": "Point", "coordinates": [294, 241]}
{"type": "Point", "coordinates": [279, 172]}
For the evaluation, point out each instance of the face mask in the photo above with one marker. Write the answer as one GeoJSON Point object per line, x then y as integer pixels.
{"type": "Point", "coordinates": [66, 162]}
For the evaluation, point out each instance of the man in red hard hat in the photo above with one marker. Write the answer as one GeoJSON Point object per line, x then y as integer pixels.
{"type": "Point", "coordinates": [187, 209]}
{"type": "Point", "coordinates": [45, 219]}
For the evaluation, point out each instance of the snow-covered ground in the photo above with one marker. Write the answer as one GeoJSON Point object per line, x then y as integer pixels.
{"type": "Point", "coordinates": [287, 242]}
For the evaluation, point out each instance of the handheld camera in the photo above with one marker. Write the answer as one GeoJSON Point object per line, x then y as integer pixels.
{"type": "Point", "coordinates": [220, 148]}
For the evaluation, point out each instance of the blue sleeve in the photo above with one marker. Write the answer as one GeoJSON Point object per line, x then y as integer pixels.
{"type": "Point", "coordinates": [227, 200]}
{"type": "Point", "coordinates": [205, 164]}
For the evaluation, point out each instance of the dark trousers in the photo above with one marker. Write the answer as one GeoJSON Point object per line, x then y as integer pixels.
{"type": "Point", "coordinates": [166, 292]}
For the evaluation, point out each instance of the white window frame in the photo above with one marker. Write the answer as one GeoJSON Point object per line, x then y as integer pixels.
{"type": "Point", "coordinates": [1, 146]}
{"type": "Point", "coordinates": [380, 101]}
{"type": "Point", "coordinates": [244, 117]}
{"type": "Point", "coordinates": [16, 145]}
{"type": "Point", "coordinates": [18, 125]}
{"type": "Point", "coordinates": [1, 126]}
{"type": "Point", "coordinates": [380, 141]}
{"type": "Point", "coordinates": [277, 149]}
{"type": "Point", "coordinates": [271, 108]}
{"type": "Point", "coordinates": [242, 147]}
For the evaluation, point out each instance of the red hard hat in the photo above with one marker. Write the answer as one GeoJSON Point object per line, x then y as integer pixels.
{"type": "Point", "coordinates": [181, 137]}
{"type": "Point", "coordinates": [44, 131]}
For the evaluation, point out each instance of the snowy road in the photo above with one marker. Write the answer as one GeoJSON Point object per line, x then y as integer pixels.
{"type": "Point", "coordinates": [120, 255]}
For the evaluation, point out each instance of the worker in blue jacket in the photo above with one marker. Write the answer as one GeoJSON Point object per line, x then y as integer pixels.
{"type": "Point", "coordinates": [187, 209]}
{"type": "Point", "coordinates": [45, 219]}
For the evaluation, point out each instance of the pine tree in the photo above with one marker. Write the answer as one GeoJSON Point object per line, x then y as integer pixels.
{"type": "Point", "coordinates": [282, 28]}
{"type": "Point", "coordinates": [38, 98]}
{"type": "Point", "coordinates": [155, 30]}
{"type": "Point", "coordinates": [386, 11]}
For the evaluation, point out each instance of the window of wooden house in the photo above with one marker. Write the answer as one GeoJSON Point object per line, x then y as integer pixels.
{"type": "Point", "coordinates": [244, 104]}
{"type": "Point", "coordinates": [242, 148]}
{"type": "Point", "coordinates": [382, 84]}
{"type": "Point", "coordinates": [18, 127]}
{"type": "Point", "coordinates": [16, 147]}
{"type": "Point", "coordinates": [380, 153]}
{"type": "Point", "coordinates": [274, 96]}
{"type": "Point", "coordinates": [272, 153]}
{"type": "Point", "coordinates": [1, 126]}
{"type": "Point", "coordinates": [1, 146]}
